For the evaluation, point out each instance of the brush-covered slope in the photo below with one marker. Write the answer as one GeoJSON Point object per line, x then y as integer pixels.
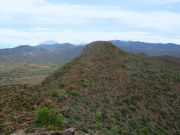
{"type": "Point", "coordinates": [116, 92]}
{"type": "Point", "coordinates": [103, 91]}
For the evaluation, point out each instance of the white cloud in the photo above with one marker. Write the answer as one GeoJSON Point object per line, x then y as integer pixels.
{"type": "Point", "coordinates": [160, 2]}
{"type": "Point", "coordinates": [75, 36]}
{"type": "Point", "coordinates": [41, 12]}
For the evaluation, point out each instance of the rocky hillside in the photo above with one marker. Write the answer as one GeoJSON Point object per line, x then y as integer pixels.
{"type": "Point", "coordinates": [104, 90]}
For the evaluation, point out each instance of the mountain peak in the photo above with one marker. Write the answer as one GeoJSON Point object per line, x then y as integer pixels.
{"type": "Point", "coordinates": [94, 56]}
{"type": "Point", "coordinates": [101, 48]}
{"type": "Point", "coordinates": [49, 42]}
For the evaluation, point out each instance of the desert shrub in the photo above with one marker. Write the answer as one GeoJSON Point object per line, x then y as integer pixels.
{"type": "Point", "coordinates": [99, 115]}
{"type": "Point", "coordinates": [126, 101]}
{"type": "Point", "coordinates": [118, 101]}
{"type": "Point", "coordinates": [97, 126]}
{"type": "Point", "coordinates": [85, 83]}
{"type": "Point", "coordinates": [124, 66]}
{"type": "Point", "coordinates": [86, 100]}
{"type": "Point", "coordinates": [178, 77]}
{"type": "Point", "coordinates": [164, 114]}
{"type": "Point", "coordinates": [2, 106]}
{"type": "Point", "coordinates": [124, 111]}
{"type": "Point", "coordinates": [1, 129]}
{"type": "Point", "coordinates": [74, 105]}
{"type": "Point", "coordinates": [73, 93]}
{"type": "Point", "coordinates": [146, 130]}
{"type": "Point", "coordinates": [145, 120]}
{"type": "Point", "coordinates": [61, 85]}
{"type": "Point", "coordinates": [129, 101]}
{"type": "Point", "coordinates": [132, 124]}
{"type": "Point", "coordinates": [107, 78]}
{"type": "Point", "coordinates": [117, 115]}
{"type": "Point", "coordinates": [61, 98]}
{"type": "Point", "coordinates": [115, 130]}
{"type": "Point", "coordinates": [58, 96]}
{"type": "Point", "coordinates": [160, 130]}
{"type": "Point", "coordinates": [134, 100]}
{"type": "Point", "coordinates": [47, 117]}
{"type": "Point", "coordinates": [85, 130]}
{"type": "Point", "coordinates": [55, 94]}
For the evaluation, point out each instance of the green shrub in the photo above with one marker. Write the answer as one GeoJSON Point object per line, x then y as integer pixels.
{"type": "Point", "coordinates": [124, 66]}
{"type": "Point", "coordinates": [61, 85]}
{"type": "Point", "coordinates": [160, 130]}
{"type": "Point", "coordinates": [55, 94]}
{"type": "Point", "coordinates": [99, 115]}
{"type": "Point", "coordinates": [164, 114]}
{"type": "Point", "coordinates": [132, 124]}
{"type": "Point", "coordinates": [146, 130]}
{"type": "Point", "coordinates": [73, 93]}
{"type": "Point", "coordinates": [118, 101]}
{"type": "Point", "coordinates": [61, 98]}
{"type": "Point", "coordinates": [145, 120]}
{"type": "Point", "coordinates": [85, 130]}
{"type": "Point", "coordinates": [178, 77]}
{"type": "Point", "coordinates": [97, 126]}
{"type": "Point", "coordinates": [115, 130]}
{"type": "Point", "coordinates": [124, 111]}
{"type": "Point", "coordinates": [134, 100]}
{"type": "Point", "coordinates": [117, 115]}
{"type": "Point", "coordinates": [86, 100]}
{"type": "Point", "coordinates": [1, 129]}
{"type": "Point", "coordinates": [47, 117]}
{"type": "Point", "coordinates": [85, 83]}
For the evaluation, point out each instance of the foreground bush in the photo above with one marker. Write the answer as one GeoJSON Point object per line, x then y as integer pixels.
{"type": "Point", "coordinates": [47, 117]}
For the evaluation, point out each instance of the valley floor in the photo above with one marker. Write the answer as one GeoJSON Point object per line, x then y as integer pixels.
{"type": "Point", "coordinates": [25, 73]}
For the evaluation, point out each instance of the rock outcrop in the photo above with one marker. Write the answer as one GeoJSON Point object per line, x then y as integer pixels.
{"type": "Point", "coordinates": [70, 131]}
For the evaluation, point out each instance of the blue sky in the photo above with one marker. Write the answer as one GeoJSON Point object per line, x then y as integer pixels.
{"type": "Point", "coordinates": [34, 21]}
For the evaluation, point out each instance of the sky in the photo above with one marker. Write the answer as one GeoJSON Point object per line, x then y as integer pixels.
{"type": "Point", "coordinates": [30, 22]}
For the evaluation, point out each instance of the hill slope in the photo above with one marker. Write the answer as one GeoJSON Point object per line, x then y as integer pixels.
{"type": "Point", "coordinates": [102, 91]}
{"type": "Point", "coordinates": [133, 94]}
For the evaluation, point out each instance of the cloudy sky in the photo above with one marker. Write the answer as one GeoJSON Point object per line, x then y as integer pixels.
{"type": "Point", "coordinates": [79, 21]}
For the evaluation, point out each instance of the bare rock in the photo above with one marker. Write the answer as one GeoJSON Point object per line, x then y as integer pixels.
{"type": "Point", "coordinates": [70, 131]}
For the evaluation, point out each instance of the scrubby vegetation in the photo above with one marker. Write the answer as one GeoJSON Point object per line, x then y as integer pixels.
{"type": "Point", "coordinates": [103, 91]}
{"type": "Point", "coordinates": [49, 118]}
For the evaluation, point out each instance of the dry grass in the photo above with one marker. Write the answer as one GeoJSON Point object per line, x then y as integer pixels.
{"type": "Point", "coordinates": [25, 73]}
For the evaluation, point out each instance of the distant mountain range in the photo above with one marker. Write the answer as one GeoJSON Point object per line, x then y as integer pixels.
{"type": "Point", "coordinates": [151, 49]}
{"type": "Point", "coordinates": [43, 53]}
{"type": "Point", "coordinates": [54, 52]}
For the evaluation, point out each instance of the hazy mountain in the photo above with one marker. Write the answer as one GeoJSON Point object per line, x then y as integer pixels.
{"type": "Point", "coordinates": [43, 53]}
{"type": "Point", "coordinates": [48, 52]}
{"type": "Point", "coordinates": [104, 90]}
{"type": "Point", "coordinates": [151, 49]}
